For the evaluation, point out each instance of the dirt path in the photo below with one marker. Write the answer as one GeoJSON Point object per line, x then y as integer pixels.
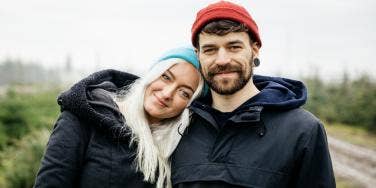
{"type": "Point", "coordinates": [353, 162]}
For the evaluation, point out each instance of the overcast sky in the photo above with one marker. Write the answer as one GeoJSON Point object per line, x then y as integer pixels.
{"type": "Point", "coordinates": [299, 36]}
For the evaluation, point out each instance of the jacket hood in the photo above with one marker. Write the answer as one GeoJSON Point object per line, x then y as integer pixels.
{"type": "Point", "coordinates": [275, 93]}
{"type": "Point", "coordinates": [91, 99]}
{"type": "Point", "coordinates": [278, 93]}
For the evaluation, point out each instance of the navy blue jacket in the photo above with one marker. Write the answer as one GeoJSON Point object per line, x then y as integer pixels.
{"type": "Point", "coordinates": [89, 145]}
{"type": "Point", "coordinates": [270, 141]}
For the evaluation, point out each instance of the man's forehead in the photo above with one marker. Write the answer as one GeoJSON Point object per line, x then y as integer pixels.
{"type": "Point", "coordinates": [206, 39]}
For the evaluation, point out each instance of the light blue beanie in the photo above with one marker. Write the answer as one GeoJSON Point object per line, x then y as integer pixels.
{"type": "Point", "coordinates": [186, 53]}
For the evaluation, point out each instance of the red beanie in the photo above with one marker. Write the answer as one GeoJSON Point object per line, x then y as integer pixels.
{"type": "Point", "coordinates": [225, 10]}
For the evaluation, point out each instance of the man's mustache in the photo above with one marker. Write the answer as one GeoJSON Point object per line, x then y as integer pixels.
{"type": "Point", "coordinates": [223, 68]}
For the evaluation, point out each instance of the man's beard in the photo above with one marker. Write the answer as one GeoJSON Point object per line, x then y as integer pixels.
{"type": "Point", "coordinates": [228, 86]}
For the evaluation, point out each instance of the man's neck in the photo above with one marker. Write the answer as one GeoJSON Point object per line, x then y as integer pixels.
{"type": "Point", "coordinates": [228, 103]}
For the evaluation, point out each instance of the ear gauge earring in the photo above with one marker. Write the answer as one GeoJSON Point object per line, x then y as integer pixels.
{"type": "Point", "coordinates": [256, 62]}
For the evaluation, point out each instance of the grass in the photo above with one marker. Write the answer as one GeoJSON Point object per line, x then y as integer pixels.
{"type": "Point", "coordinates": [353, 134]}
{"type": "Point", "coordinates": [346, 183]}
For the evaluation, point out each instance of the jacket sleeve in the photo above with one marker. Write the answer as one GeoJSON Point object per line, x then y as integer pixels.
{"type": "Point", "coordinates": [315, 169]}
{"type": "Point", "coordinates": [61, 163]}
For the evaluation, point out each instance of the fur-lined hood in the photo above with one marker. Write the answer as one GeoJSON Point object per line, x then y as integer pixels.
{"type": "Point", "coordinates": [91, 100]}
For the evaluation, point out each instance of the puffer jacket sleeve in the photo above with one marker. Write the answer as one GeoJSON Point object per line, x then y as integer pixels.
{"type": "Point", "coordinates": [315, 169]}
{"type": "Point", "coordinates": [61, 163]}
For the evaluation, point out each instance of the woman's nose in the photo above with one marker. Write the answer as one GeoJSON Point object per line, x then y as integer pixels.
{"type": "Point", "coordinates": [167, 92]}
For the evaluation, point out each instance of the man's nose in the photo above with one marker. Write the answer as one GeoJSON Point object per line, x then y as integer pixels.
{"type": "Point", "coordinates": [223, 57]}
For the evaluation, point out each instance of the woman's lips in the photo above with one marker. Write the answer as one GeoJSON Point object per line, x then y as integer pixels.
{"type": "Point", "coordinates": [160, 101]}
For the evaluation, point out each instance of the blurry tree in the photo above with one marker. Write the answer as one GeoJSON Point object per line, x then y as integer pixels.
{"type": "Point", "coordinates": [14, 71]}
{"type": "Point", "coordinates": [351, 102]}
{"type": "Point", "coordinates": [19, 163]}
{"type": "Point", "coordinates": [13, 116]}
{"type": "Point", "coordinates": [22, 112]}
{"type": "Point", "coordinates": [25, 121]}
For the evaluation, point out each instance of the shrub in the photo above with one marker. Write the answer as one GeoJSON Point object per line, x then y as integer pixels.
{"type": "Point", "coordinates": [20, 162]}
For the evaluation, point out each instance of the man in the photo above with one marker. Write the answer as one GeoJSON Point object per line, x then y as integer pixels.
{"type": "Point", "coordinates": [249, 131]}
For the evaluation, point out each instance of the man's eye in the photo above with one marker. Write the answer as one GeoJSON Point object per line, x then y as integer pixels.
{"type": "Point", "coordinates": [235, 48]}
{"type": "Point", "coordinates": [209, 51]}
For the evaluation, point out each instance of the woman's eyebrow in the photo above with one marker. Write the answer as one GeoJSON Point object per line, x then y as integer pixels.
{"type": "Point", "coordinates": [184, 85]}
{"type": "Point", "coordinates": [170, 73]}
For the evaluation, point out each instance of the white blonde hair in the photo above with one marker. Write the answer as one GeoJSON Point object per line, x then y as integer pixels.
{"type": "Point", "coordinates": [154, 144]}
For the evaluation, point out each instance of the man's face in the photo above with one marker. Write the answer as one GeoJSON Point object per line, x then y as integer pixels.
{"type": "Point", "coordinates": [226, 61]}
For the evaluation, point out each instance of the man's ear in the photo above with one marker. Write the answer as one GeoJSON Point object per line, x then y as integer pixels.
{"type": "Point", "coordinates": [197, 52]}
{"type": "Point", "coordinates": [255, 49]}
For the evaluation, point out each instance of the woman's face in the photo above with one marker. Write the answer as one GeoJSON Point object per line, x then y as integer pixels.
{"type": "Point", "coordinates": [168, 95]}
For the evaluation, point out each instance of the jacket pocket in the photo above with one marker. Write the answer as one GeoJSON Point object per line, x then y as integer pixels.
{"type": "Point", "coordinates": [232, 174]}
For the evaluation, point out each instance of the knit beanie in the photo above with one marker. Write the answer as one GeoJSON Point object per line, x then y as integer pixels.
{"type": "Point", "coordinates": [189, 55]}
{"type": "Point", "coordinates": [225, 10]}
{"type": "Point", "coordinates": [186, 53]}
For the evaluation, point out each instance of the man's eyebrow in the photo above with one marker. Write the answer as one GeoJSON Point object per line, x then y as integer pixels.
{"type": "Point", "coordinates": [235, 42]}
{"type": "Point", "coordinates": [184, 85]}
{"type": "Point", "coordinates": [208, 45]}
{"type": "Point", "coordinates": [229, 43]}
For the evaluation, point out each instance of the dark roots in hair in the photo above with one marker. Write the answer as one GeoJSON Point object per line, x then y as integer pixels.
{"type": "Point", "coordinates": [221, 28]}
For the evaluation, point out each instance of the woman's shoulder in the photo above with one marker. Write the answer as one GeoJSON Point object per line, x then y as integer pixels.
{"type": "Point", "coordinates": [69, 124]}
{"type": "Point", "coordinates": [68, 116]}
{"type": "Point", "coordinates": [70, 119]}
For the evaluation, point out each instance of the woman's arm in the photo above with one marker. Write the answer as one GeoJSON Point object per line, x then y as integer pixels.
{"type": "Point", "coordinates": [61, 163]}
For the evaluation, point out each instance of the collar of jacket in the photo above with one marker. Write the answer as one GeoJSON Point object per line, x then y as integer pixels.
{"type": "Point", "coordinates": [243, 115]}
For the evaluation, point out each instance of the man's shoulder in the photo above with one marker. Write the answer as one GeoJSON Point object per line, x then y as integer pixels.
{"type": "Point", "coordinates": [293, 119]}
{"type": "Point", "coordinates": [298, 114]}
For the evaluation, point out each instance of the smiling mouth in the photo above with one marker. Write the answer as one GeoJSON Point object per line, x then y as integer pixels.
{"type": "Point", "coordinates": [226, 73]}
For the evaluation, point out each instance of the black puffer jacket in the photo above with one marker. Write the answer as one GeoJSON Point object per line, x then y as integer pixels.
{"type": "Point", "coordinates": [89, 145]}
{"type": "Point", "coordinates": [269, 141]}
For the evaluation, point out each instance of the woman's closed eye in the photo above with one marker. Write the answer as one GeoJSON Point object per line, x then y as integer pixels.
{"type": "Point", "coordinates": [166, 77]}
{"type": "Point", "coordinates": [184, 94]}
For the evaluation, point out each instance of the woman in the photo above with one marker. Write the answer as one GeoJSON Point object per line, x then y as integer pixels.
{"type": "Point", "coordinates": [118, 130]}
